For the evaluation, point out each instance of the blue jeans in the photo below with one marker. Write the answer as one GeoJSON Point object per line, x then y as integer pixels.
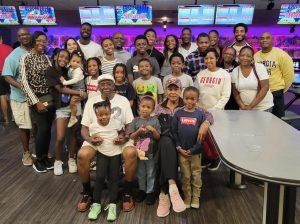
{"type": "Point", "coordinates": [146, 175]}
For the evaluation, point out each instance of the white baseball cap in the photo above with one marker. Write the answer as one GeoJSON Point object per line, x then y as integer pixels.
{"type": "Point", "coordinates": [106, 77]}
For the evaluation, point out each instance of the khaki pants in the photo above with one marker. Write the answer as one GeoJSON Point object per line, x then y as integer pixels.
{"type": "Point", "coordinates": [190, 168]}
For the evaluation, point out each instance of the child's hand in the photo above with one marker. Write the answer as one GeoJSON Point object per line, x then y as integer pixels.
{"type": "Point", "coordinates": [83, 95]}
{"type": "Point", "coordinates": [95, 140]}
{"type": "Point", "coordinates": [120, 139]}
{"type": "Point", "coordinates": [189, 152]}
{"type": "Point", "coordinates": [62, 79]}
{"type": "Point", "coordinates": [184, 153]}
{"type": "Point", "coordinates": [150, 128]}
{"type": "Point", "coordinates": [142, 129]}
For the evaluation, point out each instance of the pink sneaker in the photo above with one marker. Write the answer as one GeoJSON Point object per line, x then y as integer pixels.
{"type": "Point", "coordinates": [177, 202]}
{"type": "Point", "coordinates": [164, 205]}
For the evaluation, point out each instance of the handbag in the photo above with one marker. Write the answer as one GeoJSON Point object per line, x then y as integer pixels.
{"type": "Point", "coordinates": [209, 150]}
{"type": "Point", "coordinates": [47, 100]}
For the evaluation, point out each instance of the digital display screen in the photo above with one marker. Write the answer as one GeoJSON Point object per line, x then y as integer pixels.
{"type": "Point", "coordinates": [98, 15]}
{"type": "Point", "coordinates": [134, 15]}
{"type": "Point", "coordinates": [196, 14]}
{"type": "Point", "coordinates": [8, 15]}
{"type": "Point", "coordinates": [297, 78]}
{"type": "Point", "coordinates": [230, 14]}
{"type": "Point", "coordinates": [37, 15]}
{"type": "Point", "coordinates": [289, 14]}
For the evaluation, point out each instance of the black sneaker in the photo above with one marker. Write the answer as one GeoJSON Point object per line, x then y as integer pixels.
{"type": "Point", "coordinates": [48, 163]}
{"type": "Point", "coordinates": [39, 166]}
{"type": "Point", "coordinates": [205, 163]}
{"type": "Point", "coordinates": [150, 199]}
{"type": "Point", "coordinates": [140, 196]}
{"type": "Point", "coordinates": [214, 165]}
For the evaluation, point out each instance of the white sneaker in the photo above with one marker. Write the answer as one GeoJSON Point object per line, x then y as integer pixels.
{"type": "Point", "coordinates": [72, 122]}
{"type": "Point", "coordinates": [72, 165]}
{"type": "Point", "coordinates": [58, 170]}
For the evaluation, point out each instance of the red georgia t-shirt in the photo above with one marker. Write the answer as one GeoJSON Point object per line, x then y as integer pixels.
{"type": "Point", "coordinates": [5, 50]}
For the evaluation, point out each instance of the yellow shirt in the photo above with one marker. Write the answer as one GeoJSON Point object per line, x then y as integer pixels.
{"type": "Point", "coordinates": [279, 66]}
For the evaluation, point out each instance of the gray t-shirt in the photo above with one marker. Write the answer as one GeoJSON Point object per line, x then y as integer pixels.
{"type": "Point", "coordinates": [141, 122]}
{"type": "Point", "coordinates": [123, 56]}
{"type": "Point", "coordinates": [149, 147]}
{"type": "Point", "coordinates": [132, 66]}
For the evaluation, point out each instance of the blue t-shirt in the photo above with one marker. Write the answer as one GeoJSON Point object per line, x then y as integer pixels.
{"type": "Point", "coordinates": [185, 127]}
{"type": "Point", "coordinates": [11, 68]}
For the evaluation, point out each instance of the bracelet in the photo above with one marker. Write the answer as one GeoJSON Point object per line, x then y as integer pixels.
{"type": "Point", "coordinates": [80, 92]}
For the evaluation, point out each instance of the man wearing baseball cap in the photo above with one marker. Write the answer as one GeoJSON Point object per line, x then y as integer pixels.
{"type": "Point", "coordinates": [122, 113]}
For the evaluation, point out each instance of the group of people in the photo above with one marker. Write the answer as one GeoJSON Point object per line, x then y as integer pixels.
{"type": "Point", "coordinates": [146, 113]}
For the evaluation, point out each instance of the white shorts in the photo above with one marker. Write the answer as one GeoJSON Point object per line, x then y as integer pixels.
{"type": "Point", "coordinates": [21, 114]}
{"type": "Point", "coordinates": [128, 143]}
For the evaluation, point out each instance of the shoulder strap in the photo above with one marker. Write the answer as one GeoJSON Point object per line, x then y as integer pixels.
{"type": "Point", "coordinates": [258, 80]}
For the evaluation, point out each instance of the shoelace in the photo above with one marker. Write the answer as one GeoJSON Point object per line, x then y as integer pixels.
{"type": "Point", "coordinates": [176, 196]}
{"type": "Point", "coordinates": [108, 207]}
{"type": "Point", "coordinates": [164, 201]}
{"type": "Point", "coordinates": [127, 198]}
{"type": "Point", "coordinates": [85, 198]}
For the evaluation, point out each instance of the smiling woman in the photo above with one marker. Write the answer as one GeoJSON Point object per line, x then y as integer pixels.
{"type": "Point", "coordinates": [62, 96]}
{"type": "Point", "coordinates": [108, 61]}
{"type": "Point", "coordinates": [33, 82]}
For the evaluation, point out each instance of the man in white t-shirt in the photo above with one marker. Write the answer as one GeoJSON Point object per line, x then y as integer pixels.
{"type": "Point", "coordinates": [187, 46]}
{"type": "Point", "coordinates": [88, 47]}
{"type": "Point", "coordinates": [240, 31]}
{"type": "Point", "coordinates": [122, 114]}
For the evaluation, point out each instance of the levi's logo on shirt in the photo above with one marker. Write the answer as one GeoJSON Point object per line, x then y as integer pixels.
{"type": "Point", "coordinates": [188, 120]}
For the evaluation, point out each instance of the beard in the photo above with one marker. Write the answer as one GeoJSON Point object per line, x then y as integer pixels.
{"type": "Point", "coordinates": [243, 38]}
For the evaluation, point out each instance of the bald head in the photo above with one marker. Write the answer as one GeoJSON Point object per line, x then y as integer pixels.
{"type": "Point", "coordinates": [118, 40]}
{"type": "Point", "coordinates": [266, 41]}
{"type": "Point", "coordinates": [24, 37]}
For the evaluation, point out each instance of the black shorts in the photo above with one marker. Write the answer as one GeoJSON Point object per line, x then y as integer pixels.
{"type": "Point", "coordinates": [4, 86]}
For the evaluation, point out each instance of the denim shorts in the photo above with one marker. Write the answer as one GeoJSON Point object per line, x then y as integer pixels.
{"type": "Point", "coordinates": [65, 112]}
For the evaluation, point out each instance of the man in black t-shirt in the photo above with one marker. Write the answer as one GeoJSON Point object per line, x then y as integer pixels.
{"type": "Point", "coordinates": [150, 34]}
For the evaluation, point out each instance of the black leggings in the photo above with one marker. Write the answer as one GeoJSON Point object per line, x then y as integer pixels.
{"type": "Point", "coordinates": [107, 165]}
{"type": "Point", "coordinates": [43, 123]}
{"type": "Point", "coordinates": [167, 162]}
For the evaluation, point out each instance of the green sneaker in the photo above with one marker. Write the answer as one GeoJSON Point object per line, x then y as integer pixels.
{"type": "Point", "coordinates": [112, 212]}
{"type": "Point", "coordinates": [95, 210]}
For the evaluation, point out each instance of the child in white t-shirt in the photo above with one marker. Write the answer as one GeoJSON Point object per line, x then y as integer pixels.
{"type": "Point", "coordinates": [91, 82]}
{"type": "Point", "coordinates": [108, 159]}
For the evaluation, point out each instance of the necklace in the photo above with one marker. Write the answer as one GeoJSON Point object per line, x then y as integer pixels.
{"type": "Point", "coordinates": [150, 52]}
